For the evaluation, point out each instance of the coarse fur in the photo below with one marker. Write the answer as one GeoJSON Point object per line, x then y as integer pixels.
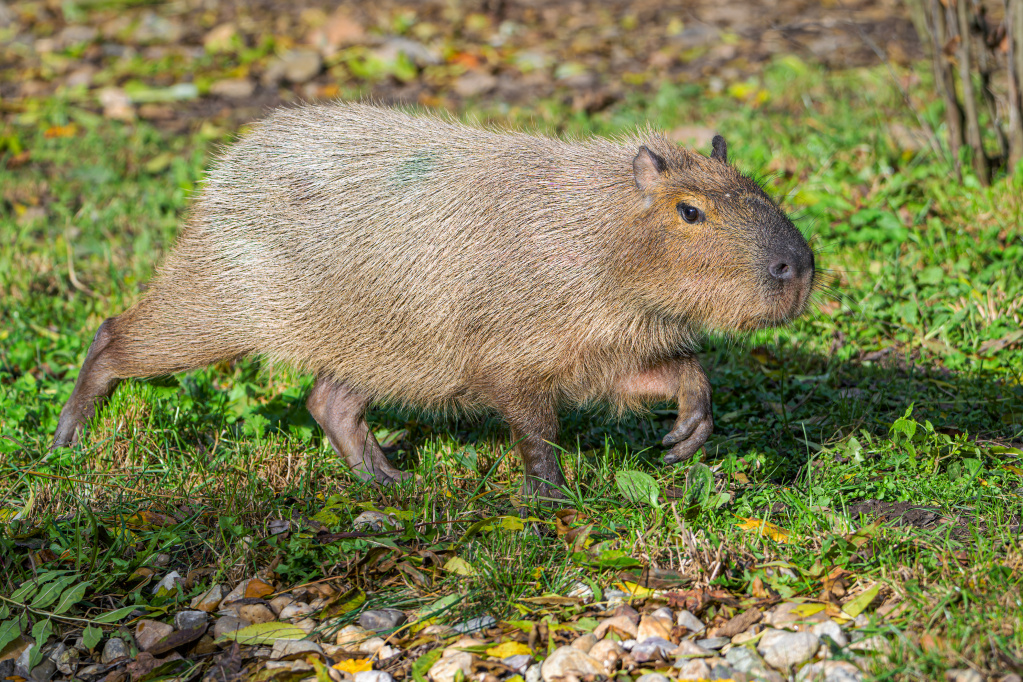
{"type": "Point", "coordinates": [417, 260]}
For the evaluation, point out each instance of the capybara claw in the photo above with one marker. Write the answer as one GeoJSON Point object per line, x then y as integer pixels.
{"type": "Point", "coordinates": [685, 442]}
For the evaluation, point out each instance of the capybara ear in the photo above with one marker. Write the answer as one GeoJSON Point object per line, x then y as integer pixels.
{"type": "Point", "coordinates": [647, 167]}
{"type": "Point", "coordinates": [720, 149]}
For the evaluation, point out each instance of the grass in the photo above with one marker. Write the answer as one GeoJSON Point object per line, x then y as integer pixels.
{"type": "Point", "coordinates": [904, 387]}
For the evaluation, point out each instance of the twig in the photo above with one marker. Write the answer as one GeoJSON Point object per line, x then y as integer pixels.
{"type": "Point", "coordinates": [71, 271]}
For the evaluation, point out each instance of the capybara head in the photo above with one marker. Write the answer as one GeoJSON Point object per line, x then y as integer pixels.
{"type": "Point", "coordinates": [718, 251]}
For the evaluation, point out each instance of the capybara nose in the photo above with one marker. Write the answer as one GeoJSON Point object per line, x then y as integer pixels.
{"type": "Point", "coordinates": [792, 263]}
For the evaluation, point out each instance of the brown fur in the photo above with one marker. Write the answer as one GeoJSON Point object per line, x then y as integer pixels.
{"type": "Point", "coordinates": [412, 259]}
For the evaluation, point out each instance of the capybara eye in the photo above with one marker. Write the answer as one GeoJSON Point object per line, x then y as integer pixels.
{"type": "Point", "coordinates": [690, 214]}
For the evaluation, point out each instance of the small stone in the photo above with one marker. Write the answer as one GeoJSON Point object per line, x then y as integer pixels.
{"type": "Point", "coordinates": [652, 626]}
{"type": "Point", "coordinates": [371, 645]}
{"type": "Point", "coordinates": [784, 650]}
{"type": "Point", "coordinates": [169, 583]}
{"type": "Point", "coordinates": [114, 649]}
{"type": "Point", "coordinates": [256, 613]}
{"type": "Point", "coordinates": [44, 671]}
{"type": "Point", "coordinates": [518, 663]}
{"type": "Point", "coordinates": [831, 629]}
{"type": "Point", "coordinates": [233, 88]}
{"type": "Point", "coordinates": [306, 625]}
{"type": "Point", "coordinates": [149, 632]}
{"type": "Point", "coordinates": [189, 620]}
{"type": "Point", "coordinates": [788, 613]}
{"type": "Point", "coordinates": [607, 652]}
{"type": "Point", "coordinates": [953, 675]}
{"type": "Point", "coordinates": [237, 593]}
{"type": "Point", "coordinates": [209, 600]}
{"type": "Point", "coordinates": [745, 660]}
{"type": "Point", "coordinates": [612, 597]}
{"type": "Point", "coordinates": [533, 673]}
{"type": "Point", "coordinates": [350, 636]}
{"type": "Point", "coordinates": [373, 676]}
{"type": "Point", "coordinates": [226, 624]}
{"type": "Point", "coordinates": [444, 669]}
{"type": "Point", "coordinates": [714, 642]}
{"type": "Point", "coordinates": [300, 66]}
{"type": "Point", "coordinates": [585, 643]}
{"type": "Point", "coordinates": [116, 104]}
{"type": "Point", "coordinates": [568, 661]}
{"type": "Point", "coordinates": [204, 646]}
{"type": "Point", "coordinates": [66, 660]}
{"type": "Point", "coordinates": [294, 610]}
{"type": "Point", "coordinates": [581, 591]}
{"type": "Point", "coordinates": [652, 677]}
{"type": "Point", "coordinates": [746, 636]}
{"type": "Point", "coordinates": [475, 625]}
{"type": "Point", "coordinates": [387, 651]}
{"type": "Point", "coordinates": [689, 649]}
{"type": "Point", "coordinates": [473, 84]}
{"type": "Point", "coordinates": [627, 611]}
{"type": "Point", "coordinates": [627, 644]}
{"type": "Point", "coordinates": [284, 648]}
{"type": "Point", "coordinates": [464, 643]}
{"type": "Point", "coordinates": [220, 38]}
{"type": "Point", "coordinates": [829, 671]}
{"type": "Point", "coordinates": [379, 620]}
{"type": "Point", "coordinates": [622, 624]}
{"type": "Point", "coordinates": [693, 669]}
{"type": "Point", "coordinates": [690, 622]}
{"type": "Point", "coordinates": [277, 604]}
{"type": "Point", "coordinates": [652, 649]}
{"type": "Point", "coordinates": [877, 644]}
{"type": "Point", "coordinates": [663, 612]}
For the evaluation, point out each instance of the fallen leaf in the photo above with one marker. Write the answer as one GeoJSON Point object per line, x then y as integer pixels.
{"type": "Point", "coordinates": [506, 649]}
{"type": "Point", "coordinates": [354, 665]}
{"type": "Point", "coordinates": [767, 528]}
{"type": "Point", "coordinates": [858, 604]}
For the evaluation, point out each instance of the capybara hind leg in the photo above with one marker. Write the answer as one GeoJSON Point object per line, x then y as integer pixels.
{"type": "Point", "coordinates": [534, 431]}
{"type": "Point", "coordinates": [681, 378]}
{"type": "Point", "coordinates": [341, 413]}
{"type": "Point", "coordinates": [97, 379]}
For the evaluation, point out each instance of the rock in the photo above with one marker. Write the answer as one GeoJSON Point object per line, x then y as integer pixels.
{"type": "Point", "coordinates": [189, 620]}
{"type": "Point", "coordinates": [284, 648]}
{"type": "Point", "coordinates": [831, 629]}
{"type": "Point", "coordinates": [623, 625]}
{"type": "Point", "coordinates": [585, 643]}
{"type": "Point", "coordinates": [378, 620]}
{"type": "Point", "coordinates": [953, 675]}
{"type": "Point", "coordinates": [475, 625]}
{"type": "Point", "coordinates": [518, 663]}
{"type": "Point", "coordinates": [114, 649]}
{"type": "Point", "coordinates": [444, 669]}
{"type": "Point", "coordinates": [653, 626]}
{"type": "Point", "coordinates": [350, 636]}
{"type": "Point", "coordinates": [652, 677]}
{"type": "Point", "coordinates": [300, 66]}
{"type": "Point", "coordinates": [787, 614]}
{"type": "Point", "coordinates": [612, 597]}
{"type": "Point", "coordinates": [607, 652]}
{"type": "Point", "coordinates": [473, 84]}
{"type": "Point", "coordinates": [277, 604]}
{"type": "Point", "coordinates": [226, 624]}
{"type": "Point", "coordinates": [652, 649]}
{"type": "Point", "coordinates": [373, 676]}
{"type": "Point", "coordinates": [436, 630]}
{"type": "Point", "coordinates": [746, 635]}
{"type": "Point", "coordinates": [371, 646]}
{"type": "Point", "coordinates": [714, 642]}
{"type": "Point", "coordinates": [567, 661]}
{"type": "Point", "coordinates": [690, 649]}
{"type": "Point", "coordinates": [784, 650]}
{"type": "Point", "coordinates": [877, 644]}
{"type": "Point", "coordinates": [44, 671]}
{"type": "Point", "coordinates": [220, 38]}
{"type": "Point", "coordinates": [829, 671]}
{"type": "Point", "coordinates": [693, 669]}
{"type": "Point", "coordinates": [419, 54]}
{"type": "Point", "coordinates": [387, 651]}
{"type": "Point", "coordinates": [745, 660]}
{"type": "Point", "coordinates": [294, 610]}
{"type": "Point", "coordinates": [464, 643]}
{"type": "Point", "coordinates": [339, 31]}
{"type": "Point", "coordinates": [209, 600]}
{"type": "Point", "coordinates": [690, 622]}
{"type": "Point", "coordinates": [149, 632]}
{"type": "Point", "coordinates": [306, 625]}
{"type": "Point", "coordinates": [116, 104]}
{"type": "Point", "coordinates": [21, 662]}
{"type": "Point", "coordinates": [581, 591]}
{"type": "Point", "coordinates": [237, 593]}
{"type": "Point", "coordinates": [156, 29]}
{"type": "Point", "coordinates": [233, 88]}
{"type": "Point", "coordinates": [66, 660]}
{"type": "Point", "coordinates": [627, 644]}
{"type": "Point", "coordinates": [533, 673]}
{"type": "Point", "coordinates": [204, 646]}
{"type": "Point", "coordinates": [737, 624]}
{"type": "Point", "coordinates": [256, 613]}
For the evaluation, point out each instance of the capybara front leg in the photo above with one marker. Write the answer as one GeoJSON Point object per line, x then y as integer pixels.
{"type": "Point", "coordinates": [534, 430]}
{"type": "Point", "coordinates": [96, 381]}
{"type": "Point", "coordinates": [695, 420]}
{"type": "Point", "coordinates": [341, 413]}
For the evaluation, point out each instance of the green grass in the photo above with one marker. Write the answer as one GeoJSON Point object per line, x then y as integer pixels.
{"type": "Point", "coordinates": [904, 386]}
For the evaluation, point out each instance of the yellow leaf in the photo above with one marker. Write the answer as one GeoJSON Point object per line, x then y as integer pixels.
{"type": "Point", "coordinates": [858, 604]}
{"type": "Point", "coordinates": [459, 566]}
{"type": "Point", "coordinates": [634, 590]}
{"type": "Point", "coordinates": [263, 633]}
{"type": "Point", "coordinates": [807, 610]}
{"type": "Point", "coordinates": [767, 528]}
{"type": "Point", "coordinates": [257, 589]}
{"type": "Point", "coordinates": [506, 649]}
{"type": "Point", "coordinates": [354, 665]}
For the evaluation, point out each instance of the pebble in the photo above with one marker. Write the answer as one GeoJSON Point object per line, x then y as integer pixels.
{"type": "Point", "coordinates": [382, 619]}
{"type": "Point", "coordinates": [44, 671]}
{"type": "Point", "coordinates": [226, 624]}
{"type": "Point", "coordinates": [693, 669]}
{"type": "Point", "coordinates": [373, 676]}
{"type": "Point", "coordinates": [783, 649]}
{"type": "Point", "coordinates": [233, 88]}
{"type": "Point", "coordinates": [518, 663]}
{"type": "Point", "coordinates": [189, 620]}
{"type": "Point", "coordinates": [652, 677]}
{"type": "Point", "coordinates": [829, 671]}
{"type": "Point", "coordinates": [277, 604]}
{"type": "Point", "coordinates": [306, 625]}
{"type": "Point", "coordinates": [371, 645]}
{"type": "Point", "coordinates": [653, 626]}
{"type": "Point", "coordinates": [475, 625]}
{"type": "Point", "coordinates": [237, 593]}
{"type": "Point", "coordinates": [474, 83]}
{"type": "Point", "coordinates": [350, 636]}
{"type": "Point", "coordinates": [582, 592]}
{"type": "Point", "coordinates": [622, 624]}
{"type": "Point", "coordinates": [114, 649]}
{"type": "Point", "coordinates": [953, 675]}
{"type": "Point", "coordinates": [651, 649]}
{"type": "Point", "coordinates": [445, 668]}
{"type": "Point", "coordinates": [613, 597]}
{"type": "Point", "coordinates": [690, 649]}
{"type": "Point", "coordinates": [565, 661]}
{"type": "Point", "coordinates": [877, 643]}
{"type": "Point", "coordinates": [585, 643]}
{"type": "Point", "coordinates": [169, 583]}
{"type": "Point", "coordinates": [21, 662]}
{"type": "Point", "coordinates": [831, 629]}
{"type": "Point", "coordinates": [256, 613]}
{"type": "Point", "coordinates": [66, 660]}
{"type": "Point", "coordinates": [299, 66]}
{"type": "Point", "coordinates": [283, 648]}
{"type": "Point", "coordinates": [295, 609]}
{"type": "Point", "coordinates": [149, 632]}
{"type": "Point", "coordinates": [714, 642]}
{"type": "Point", "coordinates": [209, 600]}
{"type": "Point", "coordinates": [689, 621]}
{"type": "Point", "coordinates": [607, 652]}
{"type": "Point", "coordinates": [387, 651]}
{"type": "Point", "coordinates": [533, 673]}
{"type": "Point", "coordinates": [745, 660]}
